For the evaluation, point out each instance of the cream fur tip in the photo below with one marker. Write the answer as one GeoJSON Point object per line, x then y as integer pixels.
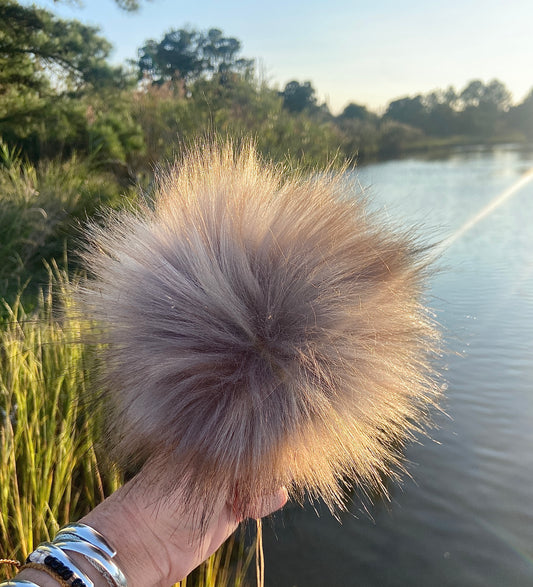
{"type": "Point", "coordinates": [262, 328]}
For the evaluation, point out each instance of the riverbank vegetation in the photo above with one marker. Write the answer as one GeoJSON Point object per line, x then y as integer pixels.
{"type": "Point", "coordinates": [59, 95]}
{"type": "Point", "coordinates": [78, 133]}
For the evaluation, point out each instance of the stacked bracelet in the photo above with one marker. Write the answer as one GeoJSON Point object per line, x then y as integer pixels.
{"type": "Point", "coordinates": [52, 558]}
{"type": "Point", "coordinates": [94, 547]}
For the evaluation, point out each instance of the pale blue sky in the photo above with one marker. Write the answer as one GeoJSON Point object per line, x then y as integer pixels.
{"type": "Point", "coordinates": [368, 52]}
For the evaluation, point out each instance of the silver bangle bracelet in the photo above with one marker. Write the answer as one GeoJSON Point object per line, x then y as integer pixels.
{"type": "Point", "coordinates": [18, 583]}
{"type": "Point", "coordinates": [89, 535]}
{"type": "Point", "coordinates": [48, 549]}
{"type": "Point", "coordinates": [93, 554]}
{"type": "Point", "coordinates": [84, 540]}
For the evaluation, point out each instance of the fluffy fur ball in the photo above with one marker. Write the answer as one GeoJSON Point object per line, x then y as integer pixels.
{"type": "Point", "coordinates": [262, 328]}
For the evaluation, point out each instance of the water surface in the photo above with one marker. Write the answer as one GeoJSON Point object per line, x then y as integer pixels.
{"type": "Point", "coordinates": [466, 516]}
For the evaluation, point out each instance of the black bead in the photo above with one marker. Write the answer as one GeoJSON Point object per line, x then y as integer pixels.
{"type": "Point", "coordinates": [65, 573]}
{"type": "Point", "coordinates": [78, 583]}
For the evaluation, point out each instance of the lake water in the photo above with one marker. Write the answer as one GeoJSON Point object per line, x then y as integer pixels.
{"type": "Point", "coordinates": [466, 516]}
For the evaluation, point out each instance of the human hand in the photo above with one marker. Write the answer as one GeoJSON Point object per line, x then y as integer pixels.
{"type": "Point", "coordinates": [159, 543]}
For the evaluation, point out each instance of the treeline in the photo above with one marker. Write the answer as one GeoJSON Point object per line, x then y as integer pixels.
{"type": "Point", "coordinates": [481, 111]}
{"type": "Point", "coordinates": [59, 95]}
{"type": "Point", "coordinates": [77, 133]}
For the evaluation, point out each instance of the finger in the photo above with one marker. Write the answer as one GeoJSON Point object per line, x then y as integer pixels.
{"type": "Point", "coordinates": [268, 504]}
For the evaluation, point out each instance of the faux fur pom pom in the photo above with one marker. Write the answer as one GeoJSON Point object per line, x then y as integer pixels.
{"type": "Point", "coordinates": [262, 329]}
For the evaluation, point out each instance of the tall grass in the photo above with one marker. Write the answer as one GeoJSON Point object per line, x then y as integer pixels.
{"type": "Point", "coordinates": [49, 470]}
{"type": "Point", "coordinates": [41, 207]}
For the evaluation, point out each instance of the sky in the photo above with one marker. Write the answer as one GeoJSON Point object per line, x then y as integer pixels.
{"type": "Point", "coordinates": [365, 52]}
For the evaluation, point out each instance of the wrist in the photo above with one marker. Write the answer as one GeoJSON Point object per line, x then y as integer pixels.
{"type": "Point", "coordinates": [152, 549]}
{"type": "Point", "coordinates": [39, 577]}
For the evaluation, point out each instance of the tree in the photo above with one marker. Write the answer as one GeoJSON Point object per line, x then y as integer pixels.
{"type": "Point", "coordinates": [411, 111]}
{"type": "Point", "coordinates": [177, 56]}
{"type": "Point", "coordinates": [472, 94]}
{"type": "Point", "coordinates": [497, 96]}
{"type": "Point", "coordinates": [38, 50]}
{"type": "Point", "coordinates": [184, 55]}
{"type": "Point", "coordinates": [521, 117]}
{"type": "Point", "coordinates": [128, 5]}
{"type": "Point", "coordinates": [356, 112]}
{"type": "Point", "coordinates": [440, 119]}
{"type": "Point", "coordinates": [493, 95]}
{"type": "Point", "coordinates": [221, 52]}
{"type": "Point", "coordinates": [484, 108]}
{"type": "Point", "coordinates": [48, 66]}
{"type": "Point", "coordinates": [298, 97]}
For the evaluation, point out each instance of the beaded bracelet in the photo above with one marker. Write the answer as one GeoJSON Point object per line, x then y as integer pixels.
{"type": "Point", "coordinates": [53, 557]}
{"type": "Point", "coordinates": [48, 570]}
